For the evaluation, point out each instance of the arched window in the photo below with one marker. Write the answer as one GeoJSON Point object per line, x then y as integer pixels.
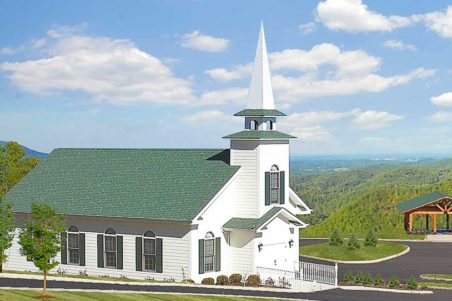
{"type": "Point", "coordinates": [209, 252]}
{"type": "Point", "coordinates": [254, 125]}
{"type": "Point", "coordinates": [270, 125]}
{"type": "Point", "coordinates": [274, 184]}
{"type": "Point", "coordinates": [73, 245]}
{"type": "Point", "coordinates": [110, 248]}
{"type": "Point", "coordinates": [149, 251]}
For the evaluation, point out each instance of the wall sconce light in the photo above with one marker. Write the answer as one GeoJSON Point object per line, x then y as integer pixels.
{"type": "Point", "coordinates": [260, 246]}
{"type": "Point", "coordinates": [290, 243]}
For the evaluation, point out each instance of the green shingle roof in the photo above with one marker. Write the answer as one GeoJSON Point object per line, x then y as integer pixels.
{"type": "Point", "coordinates": [259, 112]}
{"type": "Point", "coordinates": [166, 184]}
{"type": "Point", "coordinates": [420, 201]}
{"type": "Point", "coordinates": [240, 223]}
{"type": "Point", "coordinates": [251, 134]}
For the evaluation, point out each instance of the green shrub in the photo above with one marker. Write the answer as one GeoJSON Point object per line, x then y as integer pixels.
{"type": "Point", "coordinates": [235, 279]}
{"type": "Point", "coordinates": [412, 283]}
{"type": "Point", "coordinates": [367, 279]}
{"type": "Point", "coordinates": [348, 277]}
{"type": "Point", "coordinates": [352, 243]}
{"type": "Point", "coordinates": [359, 278]}
{"type": "Point", "coordinates": [208, 281]}
{"type": "Point", "coordinates": [253, 280]}
{"type": "Point", "coordinates": [394, 282]}
{"type": "Point", "coordinates": [222, 280]}
{"type": "Point", "coordinates": [371, 239]}
{"type": "Point", "coordinates": [378, 280]}
{"type": "Point", "coordinates": [336, 238]}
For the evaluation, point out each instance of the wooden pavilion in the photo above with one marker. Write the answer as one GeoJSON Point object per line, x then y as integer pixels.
{"type": "Point", "coordinates": [432, 204]}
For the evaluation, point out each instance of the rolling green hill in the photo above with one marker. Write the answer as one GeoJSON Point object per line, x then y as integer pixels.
{"type": "Point", "coordinates": [356, 200]}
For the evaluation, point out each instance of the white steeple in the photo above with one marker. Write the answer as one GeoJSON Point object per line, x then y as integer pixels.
{"type": "Point", "coordinates": [260, 94]}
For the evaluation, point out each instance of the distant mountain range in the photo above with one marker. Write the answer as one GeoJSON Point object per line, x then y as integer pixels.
{"type": "Point", "coordinates": [29, 152]}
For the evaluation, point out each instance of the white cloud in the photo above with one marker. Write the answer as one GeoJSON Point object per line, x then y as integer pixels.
{"type": "Point", "coordinates": [444, 99]}
{"type": "Point", "coordinates": [199, 41]}
{"type": "Point", "coordinates": [307, 28]}
{"type": "Point", "coordinates": [109, 70]}
{"type": "Point", "coordinates": [326, 70]}
{"type": "Point", "coordinates": [224, 96]}
{"type": "Point", "coordinates": [372, 119]}
{"type": "Point", "coordinates": [210, 115]}
{"type": "Point", "coordinates": [308, 125]}
{"type": "Point", "coordinates": [440, 22]}
{"type": "Point", "coordinates": [399, 45]}
{"type": "Point", "coordinates": [346, 63]}
{"type": "Point", "coordinates": [7, 51]}
{"type": "Point", "coordinates": [441, 116]}
{"type": "Point", "coordinates": [224, 75]}
{"type": "Point", "coordinates": [355, 16]}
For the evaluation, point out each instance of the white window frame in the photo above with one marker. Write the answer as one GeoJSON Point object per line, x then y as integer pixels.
{"type": "Point", "coordinates": [69, 248]}
{"type": "Point", "coordinates": [144, 255]}
{"type": "Point", "coordinates": [209, 237]}
{"type": "Point", "coordinates": [116, 250]}
{"type": "Point", "coordinates": [274, 171]}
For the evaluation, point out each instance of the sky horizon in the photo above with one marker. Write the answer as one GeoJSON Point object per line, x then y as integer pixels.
{"type": "Point", "coordinates": [354, 77]}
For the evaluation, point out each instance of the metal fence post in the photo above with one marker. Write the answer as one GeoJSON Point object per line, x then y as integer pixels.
{"type": "Point", "coordinates": [337, 275]}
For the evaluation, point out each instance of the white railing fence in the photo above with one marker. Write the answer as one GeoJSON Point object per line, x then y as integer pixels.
{"type": "Point", "coordinates": [317, 272]}
{"type": "Point", "coordinates": [303, 271]}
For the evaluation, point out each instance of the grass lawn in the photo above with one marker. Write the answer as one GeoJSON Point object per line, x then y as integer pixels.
{"type": "Point", "coordinates": [31, 295]}
{"type": "Point", "coordinates": [436, 284]}
{"type": "Point", "coordinates": [446, 277]}
{"type": "Point", "coordinates": [108, 278]}
{"type": "Point", "coordinates": [323, 250]}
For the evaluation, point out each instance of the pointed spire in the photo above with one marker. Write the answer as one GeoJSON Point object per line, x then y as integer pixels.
{"type": "Point", "coordinates": [260, 94]}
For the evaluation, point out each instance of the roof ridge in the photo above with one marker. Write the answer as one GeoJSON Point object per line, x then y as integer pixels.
{"type": "Point", "coordinates": [137, 149]}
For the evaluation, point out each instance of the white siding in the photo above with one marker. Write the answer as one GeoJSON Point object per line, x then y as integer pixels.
{"type": "Point", "coordinates": [241, 252]}
{"type": "Point", "coordinates": [276, 252]}
{"type": "Point", "coordinates": [175, 238]}
{"type": "Point", "coordinates": [245, 154]}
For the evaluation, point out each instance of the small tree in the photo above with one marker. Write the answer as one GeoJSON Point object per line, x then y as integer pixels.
{"type": "Point", "coordinates": [335, 238]}
{"type": "Point", "coordinates": [378, 280]}
{"type": "Point", "coordinates": [352, 243]}
{"type": "Point", "coordinates": [40, 239]}
{"type": "Point", "coordinates": [412, 283]}
{"type": "Point", "coordinates": [394, 282]}
{"type": "Point", "coordinates": [371, 239]}
{"type": "Point", "coordinates": [6, 230]}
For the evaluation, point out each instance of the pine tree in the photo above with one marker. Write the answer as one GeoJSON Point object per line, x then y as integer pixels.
{"type": "Point", "coordinates": [371, 239]}
{"type": "Point", "coordinates": [352, 243]}
{"type": "Point", "coordinates": [335, 238]}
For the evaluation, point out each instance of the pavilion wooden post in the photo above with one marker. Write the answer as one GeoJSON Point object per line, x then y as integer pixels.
{"type": "Point", "coordinates": [410, 218]}
{"type": "Point", "coordinates": [447, 220]}
{"type": "Point", "coordinates": [434, 224]}
{"type": "Point", "coordinates": [426, 221]}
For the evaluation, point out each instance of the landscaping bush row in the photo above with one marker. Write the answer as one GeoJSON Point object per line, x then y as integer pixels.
{"type": "Point", "coordinates": [370, 240]}
{"type": "Point", "coordinates": [366, 279]}
{"type": "Point", "coordinates": [234, 279]}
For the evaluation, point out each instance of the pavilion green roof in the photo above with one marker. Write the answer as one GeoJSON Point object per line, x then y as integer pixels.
{"type": "Point", "coordinates": [420, 201]}
{"type": "Point", "coordinates": [163, 184]}
{"type": "Point", "coordinates": [259, 112]}
{"type": "Point", "coordinates": [258, 134]}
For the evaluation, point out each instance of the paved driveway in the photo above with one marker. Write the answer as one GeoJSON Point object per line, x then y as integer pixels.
{"type": "Point", "coordinates": [423, 258]}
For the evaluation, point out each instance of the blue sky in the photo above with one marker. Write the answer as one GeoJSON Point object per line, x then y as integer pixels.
{"type": "Point", "coordinates": [354, 77]}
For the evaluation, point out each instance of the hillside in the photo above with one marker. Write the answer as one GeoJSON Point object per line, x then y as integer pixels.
{"type": "Point", "coordinates": [29, 152]}
{"type": "Point", "coordinates": [356, 200]}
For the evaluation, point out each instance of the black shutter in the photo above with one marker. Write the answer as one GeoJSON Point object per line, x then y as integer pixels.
{"type": "Point", "coordinates": [138, 253]}
{"type": "Point", "coordinates": [119, 252]}
{"type": "Point", "coordinates": [201, 256]}
{"type": "Point", "coordinates": [217, 254]}
{"type": "Point", "coordinates": [100, 251]}
{"type": "Point", "coordinates": [159, 255]}
{"type": "Point", "coordinates": [282, 187]}
{"type": "Point", "coordinates": [267, 188]}
{"type": "Point", "coordinates": [81, 248]}
{"type": "Point", "coordinates": [64, 248]}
